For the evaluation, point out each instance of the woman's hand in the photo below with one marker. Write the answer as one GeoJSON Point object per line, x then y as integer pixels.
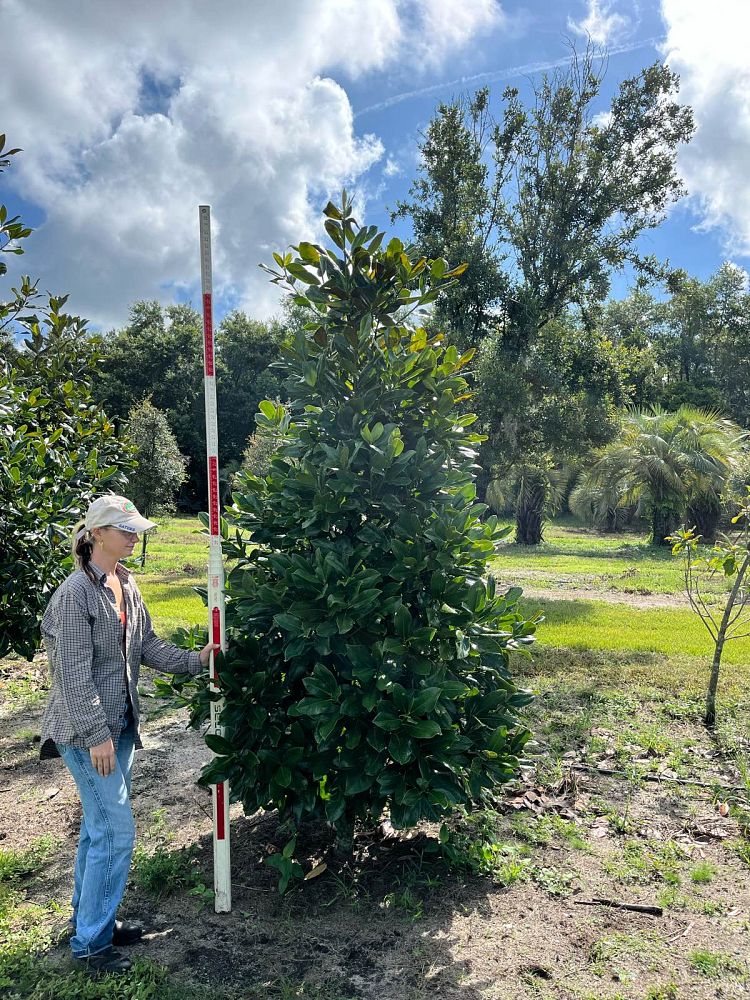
{"type": "Point", "coordinates": [211, 647]}
{"type": "Point", "coordinates": [103, 757]}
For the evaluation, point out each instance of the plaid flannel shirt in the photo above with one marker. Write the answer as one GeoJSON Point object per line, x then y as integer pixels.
{"type": "Point", "coordinates": [92, 681]}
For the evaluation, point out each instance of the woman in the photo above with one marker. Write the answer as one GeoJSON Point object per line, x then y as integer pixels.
{"type": "Point", "coordinates": [97, 633]}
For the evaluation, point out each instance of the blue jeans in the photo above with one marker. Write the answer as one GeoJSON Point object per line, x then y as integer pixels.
{"type": "Point", "coordinates": [105, 845]}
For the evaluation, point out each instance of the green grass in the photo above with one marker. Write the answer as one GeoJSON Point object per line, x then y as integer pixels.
{"type": "Point", "coordinates": [15, 865]}
{"type": "Point", "coordinates": [668, 992]}
{"type": "Point", "coordinates": [177, 556]}
{"type": "Point", "coordinates": [703, 873]}
{"type": "Point", "coordinates": [643, 862]}
{"type": "Point", "coordinates": [173, 605]}
{"type": "Point", "coordinates": [177, 547]}
{"type": "Point", "coordinates": [595, 625]}
{"type": "Point", "coordinates": [161, 870]}
{"type": "Point", "coordinates": [716, 965]}
{"type": "Point", "coordinates": [22, 685]}
{"type": "Point", "coordinates": [165, 871]}
{"type": "Point", "coordinates": [608, 952]}
{"type": "Point", "coordinates": [176, 561]}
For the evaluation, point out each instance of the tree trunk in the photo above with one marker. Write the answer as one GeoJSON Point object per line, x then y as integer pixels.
{"type": "Point", "coordinates": [663, 522]}
{"type": "Point", "coordinates": [143, 548]}
{"type": "Point", "coordinates": [484, 477]}
{"type": "Point", "coordinates": [713, 682]}
{"type": "Point", "coordinates": [726, 618]}
{"type": "Point", "coordinates": [530, 509]}
{"type": "Point", "coordinates": [704, 512]}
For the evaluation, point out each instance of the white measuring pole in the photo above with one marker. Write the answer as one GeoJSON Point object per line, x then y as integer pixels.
{"type": "Point", "coordinates": [220, 792]}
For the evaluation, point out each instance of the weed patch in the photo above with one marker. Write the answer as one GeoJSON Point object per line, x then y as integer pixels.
{"type": "Point", "coordinates": [165, 871]}
{"type": "Point", "coordinates": [716, 965]}
{"type": "Point", "coordinates": [648, 861]}
{"type": "Point", "coordinates": [703, 873]}
{"type": "Point", "coordinates": [15, 865]}
{"type": "Point", "coordinates": [609, 953]}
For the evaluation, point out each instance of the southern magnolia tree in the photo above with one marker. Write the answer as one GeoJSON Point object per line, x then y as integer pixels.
{"type": "Point", "coordinates": [58, 451]}
{"type": "Point", "coordinates": [368, 659]}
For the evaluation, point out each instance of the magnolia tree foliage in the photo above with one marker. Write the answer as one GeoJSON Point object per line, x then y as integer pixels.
{"type": "Point", "coordinates": [368, 660]}
{"type": "Point", "coordinates": [58, 451]}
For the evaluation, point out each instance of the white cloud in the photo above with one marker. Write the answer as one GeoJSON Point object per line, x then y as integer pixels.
{"type": "Point", "coordinates": [444, 26]}
{"type": "Point", "coordinates": [252, 122]}
{"type": "Point", "coordinates": [392, 168]}
{"type": "Point", "coordinates": [602, 24]}
{"type": "Point", "coordinates": [708, 48]}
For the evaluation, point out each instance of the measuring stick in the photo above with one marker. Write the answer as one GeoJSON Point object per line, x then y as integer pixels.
{"type": "Point", "coordinates": [219, 792]}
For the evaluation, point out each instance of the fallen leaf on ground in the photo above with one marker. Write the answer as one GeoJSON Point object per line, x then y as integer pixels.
{"type": "Point", "coordinates": [317, 870]}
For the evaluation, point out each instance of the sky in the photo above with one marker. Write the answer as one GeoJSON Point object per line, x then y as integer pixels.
{"type": "Point", "coordinates": [131, 115]}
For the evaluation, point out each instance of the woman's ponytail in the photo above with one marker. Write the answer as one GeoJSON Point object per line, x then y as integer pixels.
{"type": "Point", "coordinates": [83, 549]}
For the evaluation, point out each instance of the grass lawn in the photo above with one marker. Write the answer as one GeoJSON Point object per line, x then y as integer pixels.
{"type": "Point", "coordinates": [596, 625]}
{"type": "Point", "coordinates": [176, 561]}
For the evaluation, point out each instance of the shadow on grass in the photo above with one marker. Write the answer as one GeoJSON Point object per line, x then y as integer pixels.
{"type": "Point", "coordinates": [556, 611]}
{"type": "Point", "coordinates": [631, 552]}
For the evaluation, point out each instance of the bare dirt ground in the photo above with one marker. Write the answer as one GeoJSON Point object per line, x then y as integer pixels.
{"type": "Point", "coordinates": [565, 590]}
{"type": "Point", "coordinates": [388, 922]}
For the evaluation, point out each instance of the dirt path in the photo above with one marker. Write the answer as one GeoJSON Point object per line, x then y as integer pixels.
{"type": "Point", "coordinates": [564, 591]}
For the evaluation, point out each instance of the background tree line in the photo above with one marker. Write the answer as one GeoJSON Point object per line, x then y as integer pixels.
{"type": "Point", "coordinates": [546, 200]}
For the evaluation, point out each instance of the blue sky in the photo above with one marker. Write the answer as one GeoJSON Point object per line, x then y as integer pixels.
{"type": "Point", "coordinates": [131, 117]}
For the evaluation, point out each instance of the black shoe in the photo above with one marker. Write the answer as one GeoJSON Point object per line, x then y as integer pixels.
{"type": "Point", "coordinates": [106, 961]}
{"type": "Point", "coordinates": [125, 933]}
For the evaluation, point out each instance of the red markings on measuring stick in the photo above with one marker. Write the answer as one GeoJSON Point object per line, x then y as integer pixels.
{"type": "Point", "coordinates": [208, 333]}
{"type": "Point", "coordinates": [215, 634]}
{"type": "Point", "coordinates": [220, 831]}
{"type": "Point", "coordinates": [213, 494]}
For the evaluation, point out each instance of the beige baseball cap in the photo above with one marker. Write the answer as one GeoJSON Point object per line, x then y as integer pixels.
{"type": "Point", "coordinates": [111, 511]}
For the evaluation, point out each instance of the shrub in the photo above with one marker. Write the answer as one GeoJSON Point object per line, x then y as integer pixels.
{"type": "Point", "coordinates": [58, 451]}
{"type": "Point", "coordinates": [368, 659]}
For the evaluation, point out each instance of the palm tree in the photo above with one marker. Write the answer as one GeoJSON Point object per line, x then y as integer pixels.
{"type": "Point", "coordinates": [601, 505]}
{"type": "Point", "coordinates": [667, 462]}
{"type": "Point", "coordinates": [533, 492]}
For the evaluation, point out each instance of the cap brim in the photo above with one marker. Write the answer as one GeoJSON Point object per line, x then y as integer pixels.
{"type": "Point", "coordinates": [135, 524]}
